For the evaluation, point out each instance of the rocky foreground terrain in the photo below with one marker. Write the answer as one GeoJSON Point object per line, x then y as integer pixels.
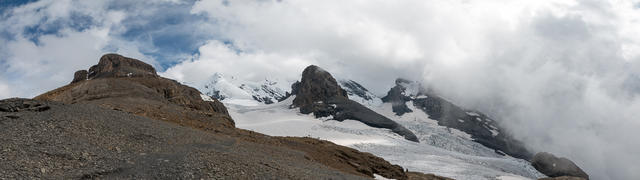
{"type": "Point", "coordinates": [121, 120]}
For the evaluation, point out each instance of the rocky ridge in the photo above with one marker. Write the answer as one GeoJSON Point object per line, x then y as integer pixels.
{"type": "Point", "coordinates": [319, 93]}
{"type": "Point", "coordinates": [482, 129]}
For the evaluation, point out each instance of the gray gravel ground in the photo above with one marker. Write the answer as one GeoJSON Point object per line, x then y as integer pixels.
{"type": "Point", "coordinates": [81, 141]}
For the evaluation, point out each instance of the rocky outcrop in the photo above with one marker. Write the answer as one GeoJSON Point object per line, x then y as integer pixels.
{"type": "Point", "coordinates": [316, 87]}
{"type": "Point", "coordinates": [80, 75]}
{"type": "Point", "coordinates": [114, 65]}
{"type": "Point", "coordinates": [319, 93]}
{"type": "Point", "coordinates": [482, 129]}
{"type": "Point", "coordinates": [553, 166]}
{"type": "Point", "coordinates": [133, 86]}
{"type": "Point", "coordinates": [20, 105]}
{"type": "Point", "coordinates": [396, 96]}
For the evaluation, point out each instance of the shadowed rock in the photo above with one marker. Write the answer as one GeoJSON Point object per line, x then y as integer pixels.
{"type": "Point", "coordinates": [553, 166]}
{"type": "Point", "coordinates": [80, 75]}
{"type": "Point", "coordinates": [396, 97]}
{"type": "Point", "coordinates": [20, 105]}
{"type": "Point", "coordinates": [319, 93]}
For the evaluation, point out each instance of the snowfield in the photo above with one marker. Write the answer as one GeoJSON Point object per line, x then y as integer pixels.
{"type": "Point", "coordinates": [441, 151]}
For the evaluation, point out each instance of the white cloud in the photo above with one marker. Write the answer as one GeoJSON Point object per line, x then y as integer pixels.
{"type": "Point", "coordinates": [216, 56]}
{"type": "Point", "coordinates": [5, 91]}
{"type": "Point", "coordinates": [35, 62]}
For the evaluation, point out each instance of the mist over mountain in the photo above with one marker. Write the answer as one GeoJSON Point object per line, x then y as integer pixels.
{"type": "Point", "coordinates": [562, 76]}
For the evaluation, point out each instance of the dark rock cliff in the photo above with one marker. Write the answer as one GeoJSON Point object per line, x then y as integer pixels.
{"type": "Point", "coordinates": [319, 93]}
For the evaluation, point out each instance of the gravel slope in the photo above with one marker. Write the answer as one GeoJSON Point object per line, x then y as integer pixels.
{"type": "Point", "coordinates": [86, 141]}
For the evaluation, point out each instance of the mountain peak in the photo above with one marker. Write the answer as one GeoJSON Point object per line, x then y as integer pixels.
{"type": "Point", "coordinates": [115, 65]}
{"type": "Point", "coordinates": [316, 85]}
{"type": "Point", "coordinates": [128, 84]}
{"type": "Point", "coordinates": [319, 93]}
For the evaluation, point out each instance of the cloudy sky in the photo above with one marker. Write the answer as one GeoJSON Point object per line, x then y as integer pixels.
{"type": "Point", "coordinates": [562, 75]}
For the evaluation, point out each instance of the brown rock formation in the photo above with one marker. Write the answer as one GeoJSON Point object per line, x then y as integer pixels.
{"type": "Point", "coordinates": [133, 86]}
{"type": "Point", "coordinates": [80, 75]}
{"type": "Point", "coordinates": [114, 65]}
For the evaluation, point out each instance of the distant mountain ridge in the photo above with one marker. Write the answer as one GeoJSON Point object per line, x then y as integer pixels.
{"type": "Point", "coordinates": [482, 129]}
{"type": "Point", "coordinates": [268, 91]}
{"type": "Point", "coordinates": [271, 90]}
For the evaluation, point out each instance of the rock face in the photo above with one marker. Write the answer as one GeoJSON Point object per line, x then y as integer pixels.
{"type": "Point", "coordinates": [397, 97]}
{"type": "Point", "coordinates": [316, 87]}
{"type": "Point", "coordinates": [553, 166]}
{"type": "Point", "coordinates": [319, 93]}
{"type": "Point", "coordinates": [482, 129]}
{"type": "Point", "coordinates": [114, 65]}
{"type": "Point", "coordinates": [80, 75]}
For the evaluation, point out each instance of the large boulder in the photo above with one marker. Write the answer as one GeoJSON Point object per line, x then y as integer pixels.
{"type": "Point", "coordinates": [553, 166]}
{"type": "Point", "coordinates": [319, 93]}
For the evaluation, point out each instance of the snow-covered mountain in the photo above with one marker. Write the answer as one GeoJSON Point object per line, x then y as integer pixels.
{"type": "Point", "coordinates": [359, 93]}
{"type": "Point", "coordinates": [449, 149]}
{"type": "Point", "coordinates": [482, 129]}
{"type": "Point", "coordinates": [267, 91]}
{"type": "Point", "coordinates": [272, 90]}
{"type": "Point", "coordinates": [441, 150]}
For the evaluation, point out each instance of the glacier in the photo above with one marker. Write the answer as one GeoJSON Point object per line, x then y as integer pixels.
{"type": "Point", "coordinates": [442, 151]}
